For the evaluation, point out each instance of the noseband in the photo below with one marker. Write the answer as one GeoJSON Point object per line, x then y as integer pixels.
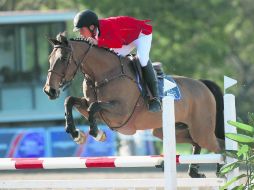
{"type": "Point", "coordinates": [65, 83]}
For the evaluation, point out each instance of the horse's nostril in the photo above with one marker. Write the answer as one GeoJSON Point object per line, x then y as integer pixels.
{"type": "Point", "coordinates": [51, 92]}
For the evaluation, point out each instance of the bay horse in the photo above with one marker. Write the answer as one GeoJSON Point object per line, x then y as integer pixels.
{"type": "Point", "coordinates": [111, 94]}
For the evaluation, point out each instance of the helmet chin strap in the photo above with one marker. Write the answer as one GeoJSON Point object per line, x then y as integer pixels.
{"type": "Point", "coordinates": [97, 33]}
{"type": "Point", "coordinates": [94, 32]}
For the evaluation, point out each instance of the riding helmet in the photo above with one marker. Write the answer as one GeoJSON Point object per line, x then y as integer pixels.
{"type": "Point", "coordinates": [85, 18]}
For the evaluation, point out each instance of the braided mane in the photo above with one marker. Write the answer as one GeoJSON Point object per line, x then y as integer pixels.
{"type": "Point", "coordinates": [81, 39]}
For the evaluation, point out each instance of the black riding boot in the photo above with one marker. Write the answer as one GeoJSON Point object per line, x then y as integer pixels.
{"type": "Point", "coordinates": [154, 104]}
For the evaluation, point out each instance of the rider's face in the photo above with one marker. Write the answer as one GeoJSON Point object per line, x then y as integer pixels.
{"type": "Point", "coordinates": [85, 32]}
{"type": "Point", "coordinates": [88, 32]}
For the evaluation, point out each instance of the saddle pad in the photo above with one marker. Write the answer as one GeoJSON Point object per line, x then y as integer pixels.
{"type": "Point", "coordinates": [165, 90]}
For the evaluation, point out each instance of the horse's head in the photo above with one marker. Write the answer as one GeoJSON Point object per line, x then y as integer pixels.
{"type": "Point", "coordinates": [60, 71]}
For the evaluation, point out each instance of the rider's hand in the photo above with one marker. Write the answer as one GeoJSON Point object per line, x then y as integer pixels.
{"type": "Point", "coordinates": [92, 41]}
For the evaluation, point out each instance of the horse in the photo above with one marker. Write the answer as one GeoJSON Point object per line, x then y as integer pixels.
{"type": "Point", "coordinates": [112, 95]}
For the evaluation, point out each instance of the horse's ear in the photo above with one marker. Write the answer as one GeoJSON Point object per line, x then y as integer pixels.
{"type": "Point", "coordinates": [64, 33]}
{"type": "Point", "coordinates": [53, 41]}
{"type": "Point", "coordinates": [62, 37]}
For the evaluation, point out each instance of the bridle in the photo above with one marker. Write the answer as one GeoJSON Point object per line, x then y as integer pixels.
{"type": "Point", "coordinates": [66, 83]}
{"type": "Point", "coordinates": [52, 70]}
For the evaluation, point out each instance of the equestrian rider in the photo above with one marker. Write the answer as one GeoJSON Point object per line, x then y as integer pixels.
{"type": "Point", "coordinates": [122, 34]}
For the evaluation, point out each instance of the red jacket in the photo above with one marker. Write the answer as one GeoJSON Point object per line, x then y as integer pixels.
{"type": "Point", "coordinates": [122, 30]}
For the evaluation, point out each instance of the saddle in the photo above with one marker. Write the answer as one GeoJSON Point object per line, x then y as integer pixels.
{"type": "Point", "coordinates": [163, 80]}
{"type": "Point", "coordinates": [145, 91]}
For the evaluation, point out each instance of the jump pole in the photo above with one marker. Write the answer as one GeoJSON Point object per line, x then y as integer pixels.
{"type": "Point", "coordinates": [103, 162]}
{"type": "Point", "coordinates": [169, 143]}
{"type": "Point", "coordinates": [230, 114]}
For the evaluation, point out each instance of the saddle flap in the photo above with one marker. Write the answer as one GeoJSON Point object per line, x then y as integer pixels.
{"type": "Point", "coordinates": [139, 76]}
{"type": "Point", "coordinates": [145, 91]}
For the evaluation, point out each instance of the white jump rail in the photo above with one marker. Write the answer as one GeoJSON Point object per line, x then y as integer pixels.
{"type": "Point", "coordinates": [230, 114]}
{"type": "Point", "coordinates": [169, 142]}
{"type": "Point", "coordinates": [109, 183]}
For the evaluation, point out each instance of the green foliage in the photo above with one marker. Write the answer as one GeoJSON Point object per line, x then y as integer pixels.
{"type": "Point", "coordinates": [244, 139]}
{"type": "Point", "coordinates": [242, 126]}
{"type": "Point", "coordinates": [234, 180]}
{"type": "Point", "coordinates": [251, 118]}
{"type": "Point", "coordinates": [243, 156]}
{"type": "Point", "coordinates": [229, 167]}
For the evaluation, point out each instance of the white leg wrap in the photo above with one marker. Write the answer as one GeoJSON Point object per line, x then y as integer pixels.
{"type": "Point", "coordinates": [77, 139]}
{"type": "Point", "coordinates": [99, 135]}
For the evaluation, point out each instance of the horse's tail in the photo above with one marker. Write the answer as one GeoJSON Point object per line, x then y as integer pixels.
{"type": "Point", "coordinates": [215, 89]}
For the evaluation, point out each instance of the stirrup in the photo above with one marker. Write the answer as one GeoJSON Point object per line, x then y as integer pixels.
{"type": "Point", "coordinates": [154, 105]}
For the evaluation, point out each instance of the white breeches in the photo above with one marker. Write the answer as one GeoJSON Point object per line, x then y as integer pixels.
{"type": "Point", "coordinates": [142, 45]}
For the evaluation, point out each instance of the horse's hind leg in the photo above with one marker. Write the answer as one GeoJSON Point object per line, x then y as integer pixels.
{"type": "Point", "coordinates": [193, 168]}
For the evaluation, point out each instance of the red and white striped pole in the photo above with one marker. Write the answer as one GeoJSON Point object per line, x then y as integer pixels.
{"type": "Point", "coordinates": [102, 162]}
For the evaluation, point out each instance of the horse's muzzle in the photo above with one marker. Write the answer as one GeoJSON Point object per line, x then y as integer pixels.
{"type": "Point", "coordinates": [51, 92]}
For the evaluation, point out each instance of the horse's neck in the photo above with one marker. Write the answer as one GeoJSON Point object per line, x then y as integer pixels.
{"type": "Point", "coordinates": [98, 63]}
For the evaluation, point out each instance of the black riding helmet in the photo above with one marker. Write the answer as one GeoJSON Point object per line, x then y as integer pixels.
{"type": "Point", "coordinates": [85, 18]}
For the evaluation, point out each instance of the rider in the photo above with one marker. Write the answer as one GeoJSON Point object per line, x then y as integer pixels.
{"type": "Point", "coordinates": [122, 34]}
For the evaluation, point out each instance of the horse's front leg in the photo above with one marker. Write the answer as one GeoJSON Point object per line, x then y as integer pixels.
{"type": "Point", "coordinates": [94, 108]}
{"type": "Point", "coordinates": [88, 112]}
{"type": "Point", "coordinates": [98, 135]}
{"type": "Point", "coordinates": [78, 136]}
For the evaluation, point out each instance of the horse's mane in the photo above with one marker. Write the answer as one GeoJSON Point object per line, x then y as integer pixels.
{"type": "Point", "coordinates": [80, 39]}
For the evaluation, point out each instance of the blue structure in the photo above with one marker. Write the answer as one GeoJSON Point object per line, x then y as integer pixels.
{"type": "Point", "coordinates": [52, 142]}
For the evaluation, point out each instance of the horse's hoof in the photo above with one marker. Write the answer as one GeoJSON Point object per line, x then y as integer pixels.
{"type": "Point", "coordinates": [101, 136]}
{"type": "Point", "coordinates": [193, 172]}
{"type": "Point", "coordinates": [218, 174]}
{"type": "Point", "coordinates": [201, 176]}
{"type": "Point", "coordinates": [196, 175]}
{"type": "Point", "coordinates": [81, 137]}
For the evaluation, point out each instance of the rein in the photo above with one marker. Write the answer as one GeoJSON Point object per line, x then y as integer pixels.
{"type": "Point", "coordinates": [99, 84]}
